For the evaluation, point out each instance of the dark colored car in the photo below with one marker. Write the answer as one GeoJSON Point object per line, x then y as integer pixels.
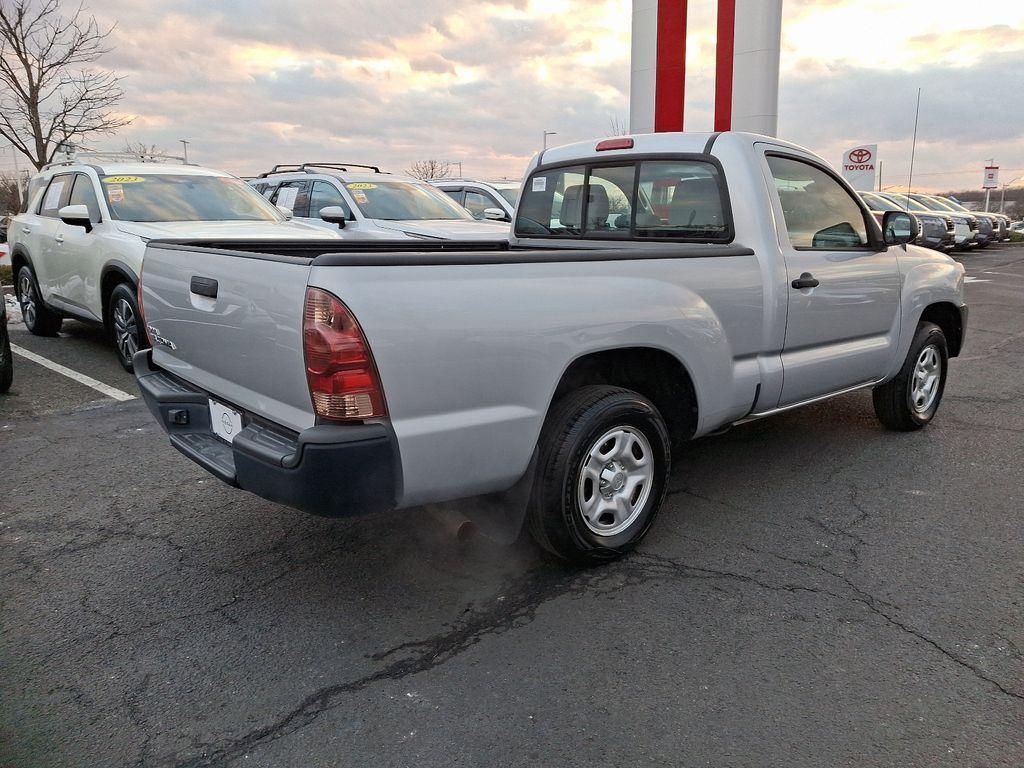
{"type": "Point", "coordinates": [6, 362]}
{"type": "Point", "coordinates": [988, 223]}
{"type": "Point", "coordinates": [937, 230]}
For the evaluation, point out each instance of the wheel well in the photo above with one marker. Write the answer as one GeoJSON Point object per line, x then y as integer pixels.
{"type": "Point", "coordinates": [653, 373]}
{"type": "Point", "coordinates": [18, 261]}
{"type": "Point", "coordinates": [948, 318]}
{"type": "Point", "coordinates": [110, 280]}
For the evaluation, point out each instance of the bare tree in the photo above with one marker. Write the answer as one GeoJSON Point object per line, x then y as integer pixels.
{"type": "Point", "coordinates": [143, 150]}
{"type": "Point", "coordinates": [617, 126]}
{"type": "Point", "coordinates": [48, 93]}
{"type": "Point", "coordinates": [429, 169]}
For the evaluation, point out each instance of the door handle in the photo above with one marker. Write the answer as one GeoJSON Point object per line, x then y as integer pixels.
{"type": "Point", "coordinates": [27, 230]}
{"type": "Point", "coordinates": [58, 239]}
{"type": "Point", "coordinates": [203, 286]}
{"type": "Point", "coordinates": [806, 280]}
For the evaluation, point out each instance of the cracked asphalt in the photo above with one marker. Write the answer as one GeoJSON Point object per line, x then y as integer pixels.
{"type": "Point", "coordinates": [816, 592]}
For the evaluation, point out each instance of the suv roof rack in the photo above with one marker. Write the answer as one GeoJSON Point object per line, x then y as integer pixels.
{"type": "Point", "coordinates": [306, 168]}
{"type": "Point", "coordinates": [89, 157]}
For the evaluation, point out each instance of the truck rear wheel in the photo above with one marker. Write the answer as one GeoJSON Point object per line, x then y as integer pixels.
{"type": "Point", "coordinates": [910, 400]}
{"type": "Point", "coordinates": [604, 457]}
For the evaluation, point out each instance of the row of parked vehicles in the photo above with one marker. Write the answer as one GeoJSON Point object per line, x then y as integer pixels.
{"type": "Point", "coordinates": [945, 224]}
{"type": "Point", "coordinates": [343, 340]}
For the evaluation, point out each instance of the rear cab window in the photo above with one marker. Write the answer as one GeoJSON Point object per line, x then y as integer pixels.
{"type": "Point", "coordinates": [678, 199]}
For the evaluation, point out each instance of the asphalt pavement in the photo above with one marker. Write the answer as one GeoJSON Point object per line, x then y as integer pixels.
{"type": "Point", "coordinates": [816, 592]}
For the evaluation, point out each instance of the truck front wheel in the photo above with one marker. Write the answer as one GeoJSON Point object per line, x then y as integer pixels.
{"type": "Point", "coordinates": [604, 457]}
{"type": "Point", "coordinates": [911, 400]}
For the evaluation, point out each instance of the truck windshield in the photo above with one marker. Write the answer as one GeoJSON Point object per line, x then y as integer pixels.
{"type": "Point", "coordinates": [404, 201]}
{"type": "Point", "coordinates": [949, 205]}
{"type": "Point", "coordinates": [184, 197]}
{"type": "Point", "coordinates": [876, 203]}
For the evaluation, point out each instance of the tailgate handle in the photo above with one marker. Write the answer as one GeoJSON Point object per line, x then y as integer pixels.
{"type": "Point", "coordinates": [204, 286]}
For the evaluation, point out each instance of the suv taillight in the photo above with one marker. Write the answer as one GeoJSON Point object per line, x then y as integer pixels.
{"type": "Point", "coordinates": [343, 381]}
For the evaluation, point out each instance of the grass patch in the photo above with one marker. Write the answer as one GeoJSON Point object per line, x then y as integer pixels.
{"type": "Point", "coordinates": [6, 275]}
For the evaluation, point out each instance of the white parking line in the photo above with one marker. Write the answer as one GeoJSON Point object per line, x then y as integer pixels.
{"type": "Point", "coordinates": [81, 378]}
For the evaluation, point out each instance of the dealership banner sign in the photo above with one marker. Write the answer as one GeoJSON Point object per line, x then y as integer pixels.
{"type": "Point", "coordinates": [991, 178]}
{"type": "Point", "coordinates": [860, 166]}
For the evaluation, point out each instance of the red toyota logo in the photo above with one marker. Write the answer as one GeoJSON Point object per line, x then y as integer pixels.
{"type": "Point", "coordinates": [860, 155]}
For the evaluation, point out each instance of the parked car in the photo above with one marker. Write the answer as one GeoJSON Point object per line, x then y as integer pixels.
{"type": "Point", "coordinates": [76, 249]}
{"type": "Point", "coordinates": [367, 204]}
{"type": "Point", "coordinates": [937, 229]}
{"type": "Point", "coordinates": [965, 226]}
{"type": "Point", "coordinates": [1017, 226]}
{"type": "Point", "coordinates": [552, 377]}
{"type": "Point", "coordinates": [6, 358]}
{"type": "Point", "coordinates": [988, 224]}
{"type": "Point", "coordinates": [484, 199]}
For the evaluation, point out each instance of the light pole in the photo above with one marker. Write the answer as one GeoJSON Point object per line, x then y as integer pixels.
{"type": "Point", "coordinates": [184, 144]}
{"type": "Point", "coordinates": [546, 134]}
{"type": "Point", "coordinates": [1002, 192]}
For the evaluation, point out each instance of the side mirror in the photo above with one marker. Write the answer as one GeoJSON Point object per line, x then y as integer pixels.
{"type": "Point", "coordinates": [899, 227]}
{"type": "Point", "coordinates": [286, 211]}
{"type": "Point", "coordinates": [334, 214]}
{"type": "Point", "coordinates": [76, 216]}
{"type": "Point", "coordinates": [495, 214]}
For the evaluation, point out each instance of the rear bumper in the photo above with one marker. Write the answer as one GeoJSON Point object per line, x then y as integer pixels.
{"type": "Point", "coordinates": [328, 469]}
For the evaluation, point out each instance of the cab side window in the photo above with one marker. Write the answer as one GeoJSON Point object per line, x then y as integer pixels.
{"type": "Point", "coordinates": [293, 195]}
{"type": "Point", "coordinates": [56, 193]}
{"type": "Point", "coordinates": [820, 214]}
{"type": "Point", "coordinates": [83, 193]}
{"type": "Point", "coordinates": [477, 202]}
{"type": "Point", "coordinates": [325, 195]}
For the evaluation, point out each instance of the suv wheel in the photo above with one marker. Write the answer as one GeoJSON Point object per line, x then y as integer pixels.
{"type": "Point", "coordinates": [38, 319]}
{"type": "Point", "coordinates": [604, 457]}
{"type": "Point", "coordinates": [125, 324]}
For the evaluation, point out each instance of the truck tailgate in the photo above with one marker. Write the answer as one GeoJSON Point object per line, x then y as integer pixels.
{"type": "Point", "coordinates": [232, 326]}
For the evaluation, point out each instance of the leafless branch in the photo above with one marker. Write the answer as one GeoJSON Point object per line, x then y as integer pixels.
{"type": "Point", "coordinates": [49, 93]}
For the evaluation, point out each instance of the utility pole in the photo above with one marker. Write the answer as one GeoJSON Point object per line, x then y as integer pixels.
{"type": "Point", "coordinates": [546, 134]}
{"type": "Point", "coordinates": [913, 150]}
{"type": "Point", "coordinates": [1002, 193]}
{"type": "Point", "coordinates": [184, 144]}
{"type": "Point", "coordinates": [17, 175]}
{"type": "Point", "coordinates": [879, 175]}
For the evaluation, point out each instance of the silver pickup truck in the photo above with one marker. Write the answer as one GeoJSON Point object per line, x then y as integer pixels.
{"type": "Point", "coordinates": [657, 288]}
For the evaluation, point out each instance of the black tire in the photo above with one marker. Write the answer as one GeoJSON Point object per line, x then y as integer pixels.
{"type": "Point", "coordinates": [37, 317]}
{"type": "Point", "coordinates": [125, 323]}
{"type": "Point", "coordinates": [6, 361]}
{"type": "Point", "coordinates": [555, 517]}
{"type": "Point", "coordinates": [897, 405]}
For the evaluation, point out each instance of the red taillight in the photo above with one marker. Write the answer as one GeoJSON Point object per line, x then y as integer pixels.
{"type": "Point", "coordinates": [343, 381]}
{"type": "Point", "coordinates": [614, 144]}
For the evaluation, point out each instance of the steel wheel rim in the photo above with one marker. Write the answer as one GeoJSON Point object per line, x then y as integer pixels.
{"type": "Point", "coordinates": [614, 480]}
{"type": "Point", "coordinates": [125, 329]}
{"type": "Point", "coordinates": [924, 382]}
{"type": "Point", "coordinates": [27, 297]}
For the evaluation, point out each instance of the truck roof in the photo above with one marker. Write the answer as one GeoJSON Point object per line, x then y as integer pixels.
{"type": "Point", "coordinates": [654, 143]}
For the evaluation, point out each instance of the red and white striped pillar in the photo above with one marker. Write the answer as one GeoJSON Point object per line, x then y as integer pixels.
{"type": "Point", "coordinates": [746, 66]}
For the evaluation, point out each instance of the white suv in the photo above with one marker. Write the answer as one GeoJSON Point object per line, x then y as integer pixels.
{"type": "Point", "coordinates": [367, 204]}
{"type": "Point", "coordinates": [495, 200]}
{"type": "Point", "coordinates": [76, 249]}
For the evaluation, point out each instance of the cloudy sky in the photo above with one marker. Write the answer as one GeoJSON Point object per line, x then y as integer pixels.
{"type": "Point", "coordinates": [254, 82]}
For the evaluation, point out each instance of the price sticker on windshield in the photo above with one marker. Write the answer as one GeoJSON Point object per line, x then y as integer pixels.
{"type": "Point", "coordinates": [123, 180]}
{"type": "Point", "coordinates": [540, 183]}
{"type": "Point", "coordinates": [361, 185]}
{"type": "Point", "coordinates": [115, 193]}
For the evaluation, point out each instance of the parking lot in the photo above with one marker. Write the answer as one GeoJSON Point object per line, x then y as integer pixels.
{"type": "Point", "coordinates": [817, 592]}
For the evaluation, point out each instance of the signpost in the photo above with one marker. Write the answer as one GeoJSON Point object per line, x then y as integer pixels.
{"type": "Point", "coordinates": [860, 166]}
{"type": "Point", "coordinates": [990, 181]}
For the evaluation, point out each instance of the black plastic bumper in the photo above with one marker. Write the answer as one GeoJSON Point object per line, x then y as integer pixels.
{"type": "Point", "coordinates": [325, 470]}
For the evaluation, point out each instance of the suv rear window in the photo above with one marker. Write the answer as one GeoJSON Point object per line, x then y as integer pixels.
{"type": "Point", "coordinates": [652, 199]}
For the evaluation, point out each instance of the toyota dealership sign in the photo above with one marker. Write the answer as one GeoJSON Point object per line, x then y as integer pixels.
{"type": "Point", "coordinates": [860, 166]}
